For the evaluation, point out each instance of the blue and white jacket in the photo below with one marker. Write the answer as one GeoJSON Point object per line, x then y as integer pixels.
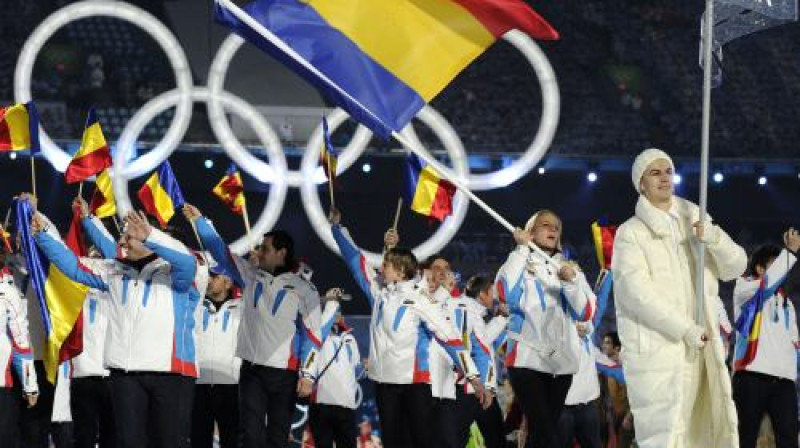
{"type": "Point", "coordinates": [543, 311]}
{"type": "Point", "coordinates": [151, 312]}
{"type": "Point", "coordinates": [281, 314]}
{"type": "Point", "coordinates": [95, 324]}
{"type": "Point", "coordinates": [217, 331]}
{"type": "Point", "coordinates": [15, 347]}
{"type": "Point", "coordinates": [405, 321]}
{"type": "Point", "coordinates": [467, 319]}
{"type": "Point", "coordinates": [338, 385]}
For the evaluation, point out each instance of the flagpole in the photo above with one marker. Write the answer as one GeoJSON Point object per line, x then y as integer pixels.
{"type": "Point", "coordinates": [116, 223]}
{"type": "Point", "coordinates": [33, 175]}
{"type": "Point", "coordinates": [245, 216]}
{"type": "Point", "coordinates": [330, 177]}
{"type": "Point", "coordinates": [708, 32]}
{"type": "Point", "coordinates": [422, 154]}
{"type": "Point", "coordinates": [80, 189]}
{"type": "Point", "coordinates": [397, 213]}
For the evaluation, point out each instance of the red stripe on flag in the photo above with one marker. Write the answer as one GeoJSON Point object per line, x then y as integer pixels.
{"type": "Point", "coordinates": [145, 196]}
{"type": "Point", "coordinates": [500, 16]}
{"type": "Point", "coordinates": [442, 206]}
{"type": "Point", "coordinates": [73, 345]}
{"type": "Point", "coordinates": [5, 133]}
{"type": "Point", "coordinates": [88, 165]}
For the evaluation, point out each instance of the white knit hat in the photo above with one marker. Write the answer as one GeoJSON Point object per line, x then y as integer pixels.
{"type": "Point", "coordinates": [643, 160]}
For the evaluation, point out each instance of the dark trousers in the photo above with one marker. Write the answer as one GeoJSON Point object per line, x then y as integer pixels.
{"type": "Point", "coordinates": [270, 392]}
{"type": "Point", "coordinates": [90, 403]}
{"type": "Point", "coordinates": [9, 416]}
{"type": "Point", "coordinates": [331, 424]}
{"type": "Point", "coordinates": [215, 403]}
{"type": "Point", "coordinates": [35, 421]}
{"type": "Point", "coordinates": [457, 417]}
{"type": "Point", "coordinates": [406, 415]}
{"type": "Point", "coordinates": [541, 397]}
{"type": "Point", "coordinates": [490, 422]}
{"type": "Point", "coordinates": [756, 394]}
{"type": "Point", "coordinates": [579, 422]}
{"type": "Point", "coordinates": [151, 409]}
{"type": "Point", "coordinates": [63, 434]}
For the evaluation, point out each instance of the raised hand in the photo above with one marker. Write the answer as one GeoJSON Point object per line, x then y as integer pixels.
{"type": "Point", "coordinates": [190, 212]}
{"type": "Point", "coordinates": [31, 198]}
{"type": "Point", "coordinates": [522, 236]}
{"type": "Point", "coordinates": [138, 227]}
{"type": "Point", "coordinates": [391, 238]}
{"type": "Point", "coordinates": [335, 216]}
{"type": "Point", "coordinates": [82, 206]}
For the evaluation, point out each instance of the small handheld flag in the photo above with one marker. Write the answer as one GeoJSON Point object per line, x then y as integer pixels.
{"type": "Point", "coordinates": [93, 156]}
{"type": "Point", "coordinates": [103, 204]}
{"type": "Point", "coordinates": [19, 127]}
{"type": "Point", "coordinates": [603, 237]}
{"type": "Point", "coordinates": [161, 195]}
{"type": "Point", "coordinates": [230, 190]}
{"type": "Point", "coordinates": [426, 192]}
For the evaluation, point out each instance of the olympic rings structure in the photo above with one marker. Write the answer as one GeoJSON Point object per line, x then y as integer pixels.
{"type": "Point", "coordinates": [276, 172]}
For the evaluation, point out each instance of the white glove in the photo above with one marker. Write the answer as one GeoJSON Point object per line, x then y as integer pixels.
{"type": "Point", "coordinates": [695, 337]}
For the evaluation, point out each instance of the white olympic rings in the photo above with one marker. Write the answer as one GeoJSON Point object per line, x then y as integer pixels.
{"type": "Point", "coordinates": [276, 172]}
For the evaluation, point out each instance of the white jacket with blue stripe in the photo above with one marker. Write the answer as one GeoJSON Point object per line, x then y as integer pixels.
{"type": "Point", "coordinates": [543, 311]}
{"type": "Point", "coordinates": [281, 313]}
{"type": "Point", "coordinates": [95, 324]}
{"type": "Point", "coordinates": [15, 347]}
{"type": "Point", "coordinates": [151, 312]}
{"type": "Point", "coordinates": [404, 323]}
{"type": "Point", "coordinates": [217, 331]}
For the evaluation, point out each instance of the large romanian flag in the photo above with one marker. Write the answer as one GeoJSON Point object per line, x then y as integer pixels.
{"type": "Point", "coordinates": [60, 299]}
{"type": "Point", "coordinates": [329, 157]}
{"type": "Point", "coordinates": [230, 190]}
{"type": "Point", "coordinates": [380, 60]}
{"type": "Point", "coordinates": [161, 195]}
{"type": "Point", "coordinates": [103, 204]}
{"type": "Point", "coordinates": [426, 192]}
{"type": "Point", "coordinates": [93, 156]}
{"type": "Point", "coordinates": [19, 127]}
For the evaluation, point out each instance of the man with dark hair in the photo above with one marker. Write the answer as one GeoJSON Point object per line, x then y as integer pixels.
{"type": "Point", "coordinates": [764, 363]}
{"type": "Point", "coordinates": [618, 393]}
{"type": "Point", "coordinates": [279, 335]}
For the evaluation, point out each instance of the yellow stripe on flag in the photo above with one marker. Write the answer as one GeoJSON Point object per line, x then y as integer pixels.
{"type": "Point", "coordinates": [161, 199]}
{"type": "Point", "coordinates": [93, 140]}
{"type": "Point", "coordinates": [18, 127]}
{"type": "Point", "coordinates": [425, 195]}
{"type": "Point", "coordinates": [412, 35]}
{"type": "Point", "coordinates": [105, 187]}
{"type": "Point", "coordinates": [64, 302]}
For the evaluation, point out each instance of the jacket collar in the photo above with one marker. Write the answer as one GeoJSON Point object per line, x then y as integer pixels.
{"type": "Point", "coordinates": [658, 221]}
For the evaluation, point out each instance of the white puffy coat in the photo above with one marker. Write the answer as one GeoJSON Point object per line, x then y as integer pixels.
{"type": "Point", "coordinates": [654, 293]}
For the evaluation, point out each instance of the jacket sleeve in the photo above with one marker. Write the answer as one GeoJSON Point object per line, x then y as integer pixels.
{"type": "Point", "coordinates": [446, 334]}
{"type": "Point", "coordinates": [364, 275]}
{"type": "Point", "coordinates": [580, 297]}
{"type": "Point", "coordinates": [182, 262]}
{"type": "Point", "coordinates": [510, 277]}
{"type": "Point", "coordinates": [67, 263]}
{"type": "Point", "coordinates": [636, 294]}
{"type": "Point", "coordinates": [724, 322]}
{"type": "Point", "coordinates": [729, 258]}
{"type": "Point", "coordinates": [238, 268]}
{"type": "Point", "coordinates": [98, 235]}
{"type": "Point", "coordinates": [793, 326]}
{"type": "Point", "coordinates": [21, 354]}
{"type": "Point", "coordinates": [328, 318]}
{"type": "Point", "coordinates": [482, 354]}
{"type": "Point", "coordinates": [746, 288]}
{"type": "Point", "coordinates": [308, 327]}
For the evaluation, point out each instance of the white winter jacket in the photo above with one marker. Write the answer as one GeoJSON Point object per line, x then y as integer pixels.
{"type": "Point", "coordinates": [543, 311]}
{"type": "Point", "coordinates": [654, 292]}
{"type": "Point", "coordinates": [15, 348]}
{"type": "Point", "coordinates": [280, 313]}
{"type": "Point", "coordinates": [95, 324]}
{"type": "Point", "coordinates": [405, 322]}
{"type": "Point", "coordinates": [151, 313]}
{"type": "Point", "coordinates": [217, 332]}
